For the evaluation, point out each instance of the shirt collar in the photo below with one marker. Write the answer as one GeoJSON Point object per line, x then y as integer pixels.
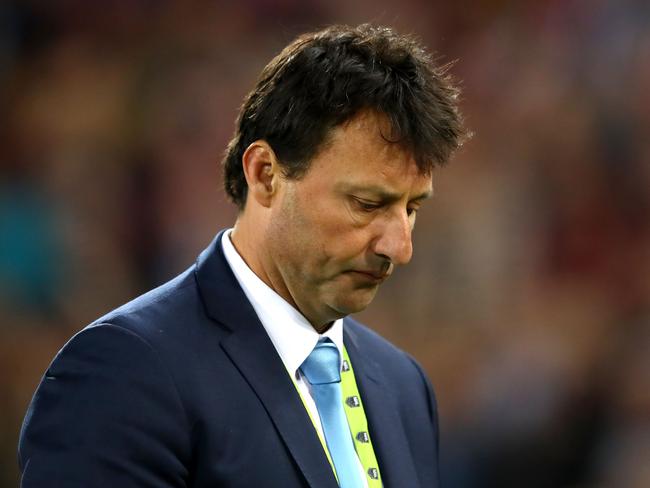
{"type": "Point", "coordinates": [290, 332]}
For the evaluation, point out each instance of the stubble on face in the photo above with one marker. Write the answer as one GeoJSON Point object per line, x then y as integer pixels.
{"type": "Point", "coordinates": [305, 271]}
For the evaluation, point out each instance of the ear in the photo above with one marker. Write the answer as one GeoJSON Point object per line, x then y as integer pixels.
{"type": "Point", "coordinates": [262, 172]}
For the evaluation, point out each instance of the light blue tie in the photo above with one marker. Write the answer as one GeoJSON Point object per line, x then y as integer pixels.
{"type": "Point", "coordinates": [322, 370]}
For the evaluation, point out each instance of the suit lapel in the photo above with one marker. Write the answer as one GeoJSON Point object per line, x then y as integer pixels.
{"type": "Point", "coordinates": [388, 437]}
{"type": "Point", "coordinates": [252, 352]}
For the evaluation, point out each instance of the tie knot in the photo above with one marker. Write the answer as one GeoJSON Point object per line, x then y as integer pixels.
{"type": "Point", "coordinates": [322, 366]}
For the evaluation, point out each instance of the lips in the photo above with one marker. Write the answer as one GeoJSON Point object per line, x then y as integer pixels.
{"type": "Point", "coordinates": [373, 275]}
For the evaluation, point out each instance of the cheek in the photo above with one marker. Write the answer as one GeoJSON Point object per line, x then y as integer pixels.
{"type": "Point", "coordinates": [301, 237]}
{"type": "Point", "coordinates": [345, 246]}
{"type": "Point", "coordinates": [328, 231]}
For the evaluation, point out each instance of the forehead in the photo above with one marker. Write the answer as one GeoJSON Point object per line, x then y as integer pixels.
{"type": "Point", "coordinates": [367, 129]}
{"type": "Point", "coordinates": [360, 151]}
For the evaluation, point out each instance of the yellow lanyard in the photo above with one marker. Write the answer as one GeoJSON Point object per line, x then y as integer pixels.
{"type": "Point", "coordinates": [356, 415]}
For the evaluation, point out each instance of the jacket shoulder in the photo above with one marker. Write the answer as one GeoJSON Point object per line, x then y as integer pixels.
{"type": "Point", "coordinates": [160, 306]}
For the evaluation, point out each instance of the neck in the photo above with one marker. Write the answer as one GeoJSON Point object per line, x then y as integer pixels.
{"type": "Point", "coordinates": [323, 328]}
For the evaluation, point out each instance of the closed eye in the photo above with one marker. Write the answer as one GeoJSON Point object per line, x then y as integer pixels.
{"type": "Point", "coordinates": [367, 205]}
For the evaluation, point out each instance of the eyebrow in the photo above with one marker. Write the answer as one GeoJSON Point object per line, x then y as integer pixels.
{"type": "Point", "coordinates": [382, 193]}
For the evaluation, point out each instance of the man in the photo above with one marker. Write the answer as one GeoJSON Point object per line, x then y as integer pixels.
{"type": "Point", "coordinates": [245, 371]}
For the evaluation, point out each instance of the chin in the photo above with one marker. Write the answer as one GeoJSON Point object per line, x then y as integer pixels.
{"type": "Point", "coordinates": [349, 305]}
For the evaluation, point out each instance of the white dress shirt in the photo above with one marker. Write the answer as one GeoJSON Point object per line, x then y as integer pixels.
{"type": "Point", "coordinates": [290, 332]}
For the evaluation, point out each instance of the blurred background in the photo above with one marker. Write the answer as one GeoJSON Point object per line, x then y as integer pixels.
{"type": "Point", "coordinates": [528, 298]}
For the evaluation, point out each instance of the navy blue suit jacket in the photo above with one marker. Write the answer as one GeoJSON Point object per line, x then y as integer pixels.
{"type": "Point", "coordinates": [182, 387]}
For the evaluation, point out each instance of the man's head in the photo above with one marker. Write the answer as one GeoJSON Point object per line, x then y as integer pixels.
{"type": "Point", "coordinates": [324, 78]}
{"type": "Point", "coordinates": [332, 158]}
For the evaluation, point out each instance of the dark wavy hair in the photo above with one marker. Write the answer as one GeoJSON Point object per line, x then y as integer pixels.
{"type": "Point", "coordinates": [322, 79]}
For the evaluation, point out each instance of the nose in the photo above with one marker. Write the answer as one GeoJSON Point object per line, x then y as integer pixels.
{"type": "Point", "coordinates": [394, 239]}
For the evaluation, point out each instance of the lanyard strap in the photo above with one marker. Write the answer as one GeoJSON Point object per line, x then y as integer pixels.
{"type": "Point", "coordinates": [356, 416]}
{"type": "Point", "coordinates": [358, 423]}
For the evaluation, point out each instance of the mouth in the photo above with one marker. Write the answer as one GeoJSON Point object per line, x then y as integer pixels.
{"type": "Point", "coordinates": [371, 275]}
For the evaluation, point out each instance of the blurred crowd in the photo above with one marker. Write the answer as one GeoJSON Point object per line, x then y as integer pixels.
{"type": "Point", "coordinates": [528, 298]}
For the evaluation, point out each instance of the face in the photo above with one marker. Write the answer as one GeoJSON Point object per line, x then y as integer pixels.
{"type": "Point", "coordinates": [336, 233]}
